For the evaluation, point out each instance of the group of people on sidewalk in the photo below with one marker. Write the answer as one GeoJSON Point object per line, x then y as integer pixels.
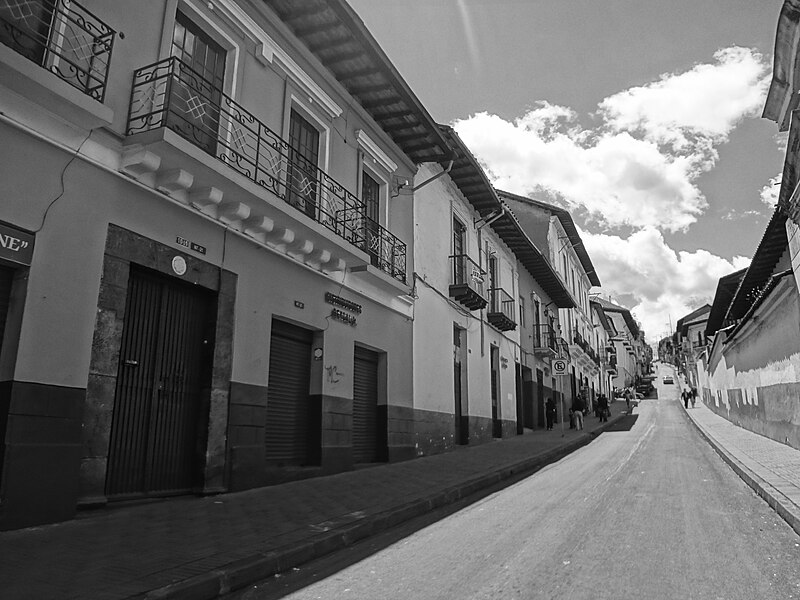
{"type": "Point", "coordinates": [577, 412]}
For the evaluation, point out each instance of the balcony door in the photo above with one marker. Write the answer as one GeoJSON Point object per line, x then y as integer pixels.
{"type": "Point", "coordinates": [493, 299]}
{"type": "Point", "coordinates": [303, 162]}
{"type": "Point", "coordinates": [196, 91]}
{"type": "Point", "coordinates": [371, 197]}
{"type": "Point", "coordinates": [460, 264]}
{"type": "Point", "coordinates": [26, 27]}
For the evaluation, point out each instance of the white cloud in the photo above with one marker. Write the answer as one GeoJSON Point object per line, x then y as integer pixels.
{"type": "Point", "coordinates": [663, 283]}
{"type": "Point", "coordinates": [769, 193]}
{"type": "Point", "coordinates": [636, 168]}
{"type": "Point", "coordinates": [639, 166]}
{"type": "Point", "coordinates": [690, 111]}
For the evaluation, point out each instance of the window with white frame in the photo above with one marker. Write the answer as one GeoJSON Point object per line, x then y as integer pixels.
{"type": "Point", "coordinates": [378, 167]}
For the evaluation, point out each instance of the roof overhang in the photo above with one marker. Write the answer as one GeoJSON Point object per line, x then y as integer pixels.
{"type": "Point", "coordinates": [782, 280]}
{"type": "Point", "coordinates": [781, 98]}
{"type": "Point", "coordinates": [338, 38]}
{"type": "Point", "coordinates": [726, 289]}
{"type": "Point", "coordinates": [569, 227]}
{"type": "Point", "coordinates": [471, 180]}
{"type": "Point", "coordinates": [772, 246]}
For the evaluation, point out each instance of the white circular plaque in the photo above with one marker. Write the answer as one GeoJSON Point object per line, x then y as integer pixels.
{"type": "Point", "coordinates": [179, 265]}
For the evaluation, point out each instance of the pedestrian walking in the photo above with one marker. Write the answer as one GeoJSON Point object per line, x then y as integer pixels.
{"type": "Point", "coordinates": [627, 394]}
{"type": "Point", "coordinates": [694, 395]}
{"type": "Point", "coordinates": [577, 411]}
{"type": "Point", "coordinates": [550, 413]}
{"type": "Point", "coordinates": [685, 396]}
{"type": "Point", "coordinates": [602, 407]}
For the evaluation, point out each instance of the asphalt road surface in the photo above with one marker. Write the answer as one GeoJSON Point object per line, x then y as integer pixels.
{"type": "Point", "coordinates": [646, 511]}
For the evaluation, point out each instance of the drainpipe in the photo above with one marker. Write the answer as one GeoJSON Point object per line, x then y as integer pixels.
{"type": "Point", "coordinates": [492, 218]}
{"type": "Point", "coordinates": [435, 177]}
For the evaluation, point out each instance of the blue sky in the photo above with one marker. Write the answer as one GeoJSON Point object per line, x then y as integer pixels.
{"type": "Point", "coordinates": [643, 117]}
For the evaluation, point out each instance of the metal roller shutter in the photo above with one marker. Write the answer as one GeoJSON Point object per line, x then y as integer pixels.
{"type": "Point", "coordinates": [287, 429]}
{"type": "Point", "coordinates": [365, 406]}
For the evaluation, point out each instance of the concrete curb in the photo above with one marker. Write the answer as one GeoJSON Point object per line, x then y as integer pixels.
{"type": "Point", "coordinates": [257, 567]}
{"type": "Point", "coordinates": [760, 486]}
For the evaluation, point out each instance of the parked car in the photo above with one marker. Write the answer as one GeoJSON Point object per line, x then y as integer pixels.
{"type": "Point", "coordinates": [644, 389]}
{"type": "Point", "coordinates": [668, 380]}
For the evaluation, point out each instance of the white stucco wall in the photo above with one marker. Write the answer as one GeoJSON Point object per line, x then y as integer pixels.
{"type": "Point", "coordinates": [765, 352]}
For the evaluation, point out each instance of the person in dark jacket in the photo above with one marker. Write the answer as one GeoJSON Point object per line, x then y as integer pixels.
{"type": "Point", "coordinates": [577, 410]}
{"type": "Point", "coordinates": [602, 407]}
{"type": "Point", "coordinates": [550, 412]}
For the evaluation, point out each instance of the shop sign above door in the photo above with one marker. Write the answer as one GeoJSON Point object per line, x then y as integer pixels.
{"type": "Point", "coordinates": [15, 245]}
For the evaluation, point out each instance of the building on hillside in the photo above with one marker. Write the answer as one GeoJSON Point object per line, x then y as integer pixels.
{"type": "Point", "coordinates": [666, 351]}
{"type": "Point", "coordinates": [627, 344]}
{"type": "Point", "coordinates": [692, 341]}
{"type": "Point", "coordinates": [752, 375]}
{"type": "Point", "coordinates": [481, 289]}
{"type": "Point", "coordinates": [207, 285]}
{"type": "Point", "coordinates": [552, 229]}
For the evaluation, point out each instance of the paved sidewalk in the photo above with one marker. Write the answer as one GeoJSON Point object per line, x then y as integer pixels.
{"type": "Point", "coordinates": [200, 547]}
{"type": "Point", "coordinates": [772, 469]}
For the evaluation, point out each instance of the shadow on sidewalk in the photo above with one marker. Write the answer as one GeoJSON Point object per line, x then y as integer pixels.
{"type": "Point", "coordinates": [626, 423]}
{"type": "Point", "coordinates": [297, 578]}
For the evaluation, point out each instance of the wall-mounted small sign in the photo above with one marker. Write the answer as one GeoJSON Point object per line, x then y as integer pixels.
{"type": "Point", "coordinates": [179, 265]}
{"type": "Point", "coordinates": [342, 316]}
{"type": "Point", "coordinates": [342, 302]}
{"type": "Point", "coordinates": [191, 245]}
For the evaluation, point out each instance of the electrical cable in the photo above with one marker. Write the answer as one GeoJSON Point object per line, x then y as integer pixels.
{"type": "Point", "coordinates": [61, 179]}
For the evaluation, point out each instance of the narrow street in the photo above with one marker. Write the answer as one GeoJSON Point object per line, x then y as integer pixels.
{"type": "Point", "coordinates": [647, 510]}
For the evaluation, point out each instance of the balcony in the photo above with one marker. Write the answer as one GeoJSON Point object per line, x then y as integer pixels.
{"type": "Point", "coordinates": [467, 287]}
{"type": "Point", "coordinates": [62, 37]}
{"type": "Point", "coordinates": [170, 96]}
{"type": "Point", "coordinates": [545, 341]}
{"type": "Point", "coordinates": [587, 357]}
{"type": "Point", "coordinates": [501, 310]}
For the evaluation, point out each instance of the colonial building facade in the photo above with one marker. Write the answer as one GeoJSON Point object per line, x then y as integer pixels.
{"type": "Point", "coordinates": [211, 249]}
{"type": "Point", "coordinates": [481, 282]}
{"type": "Point", "coordinates": [553, 230]}
{"type": "Point", "coordinates": [236, 250]}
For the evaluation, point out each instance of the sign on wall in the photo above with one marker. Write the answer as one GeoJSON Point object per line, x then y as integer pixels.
{"type": "Point", "coordinates": [15, 245]}
{"type": "Point", "coordinates": [559, 366]}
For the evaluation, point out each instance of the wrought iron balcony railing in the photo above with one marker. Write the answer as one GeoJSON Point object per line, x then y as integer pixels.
{"type": "Point", "coordinates": [170, 94]}
{"type": "Point", "coordinates": [501, 309]}
{"type": "Point", "coordinates": [62, 37]}
{"type": "Point", "coordinates": [545, 340]}
{"type": "Point", "coordinates": [467, 282]}
{"type": "Point", "coordinates": [386, 251]}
